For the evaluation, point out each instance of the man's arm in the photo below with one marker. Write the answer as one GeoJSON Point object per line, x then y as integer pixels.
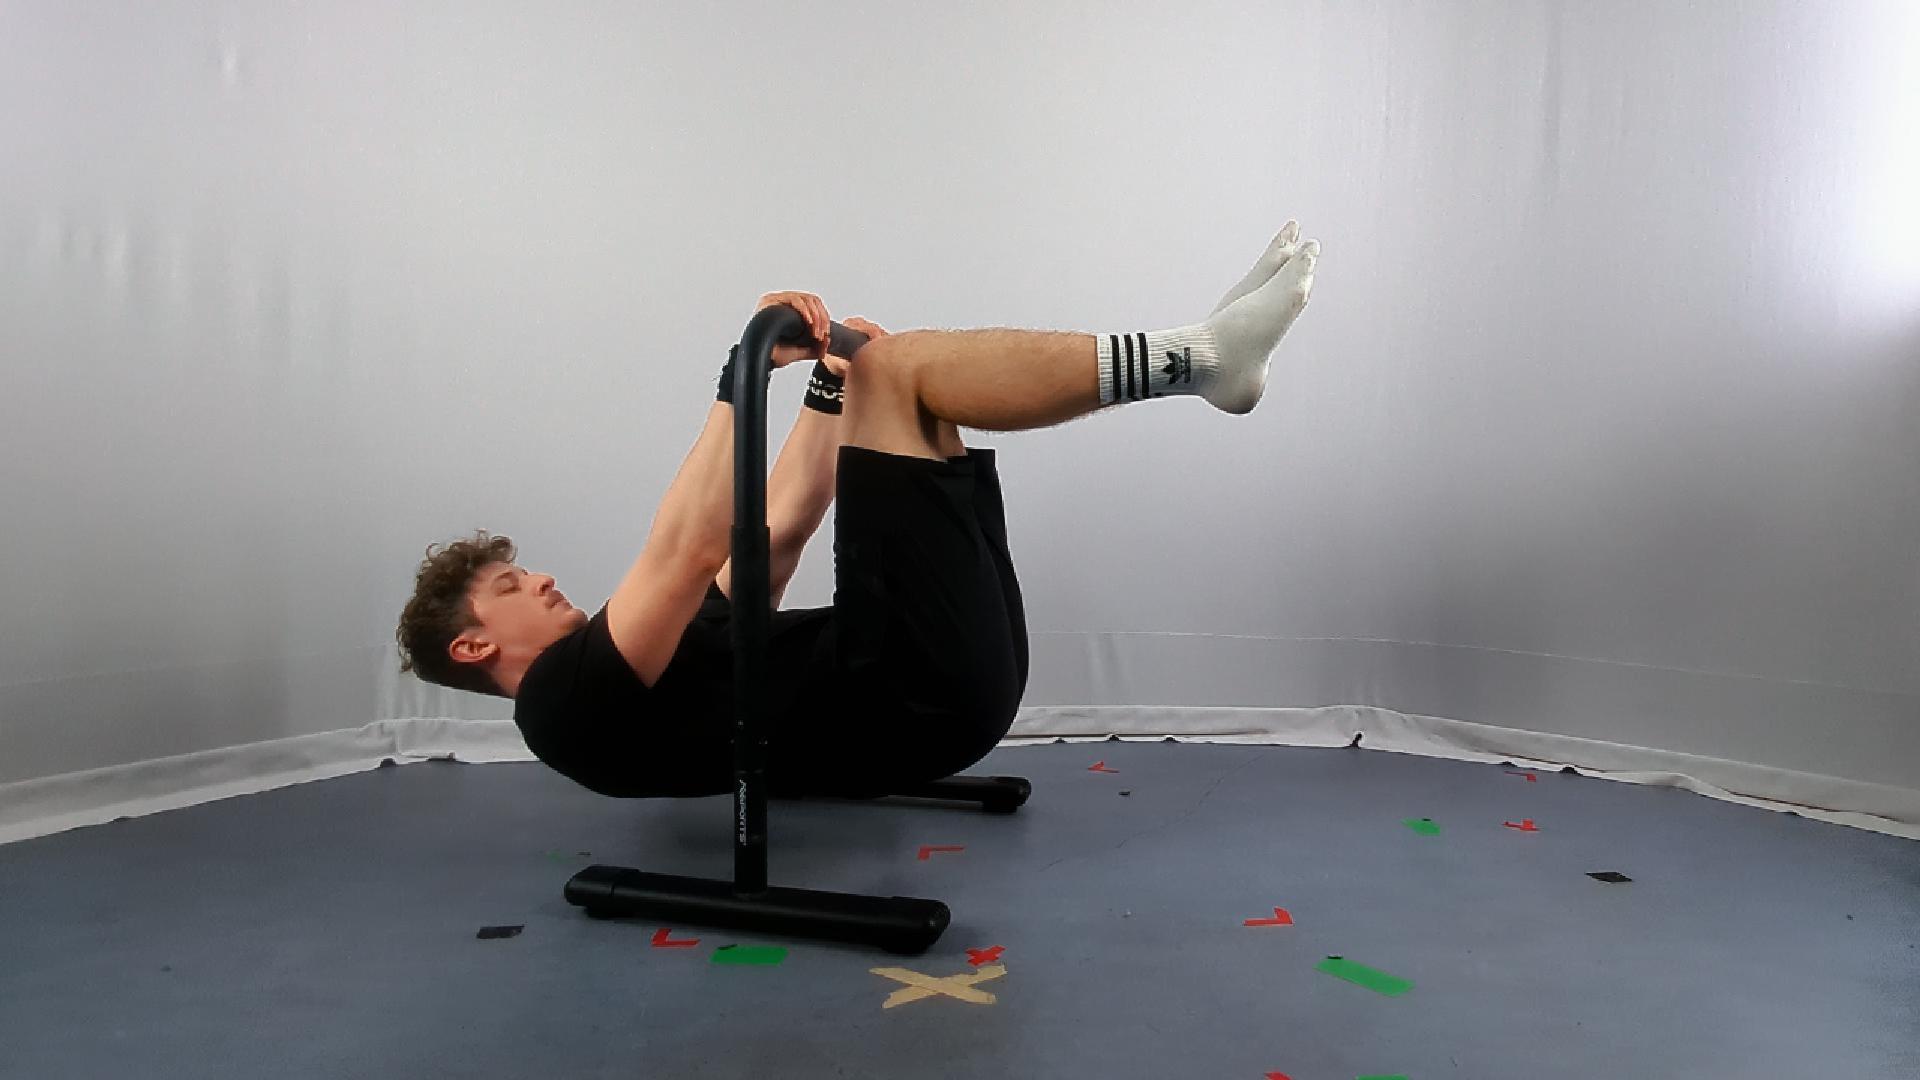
{"type": "Point", "coordinates": [802, 486]}
{"type": "Point", "coordinates": [696, 514]}
{"type": "Point", "coordinates": [799, 493]}
{"type": "Point", "coordinates": [649, 612]}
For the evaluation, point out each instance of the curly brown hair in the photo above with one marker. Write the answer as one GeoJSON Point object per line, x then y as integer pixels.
{"type": "Point", "coordinates": [441, 610]}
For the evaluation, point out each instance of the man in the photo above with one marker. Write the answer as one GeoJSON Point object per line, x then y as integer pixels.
{"type": "Point", "coordinates": [917, 668]}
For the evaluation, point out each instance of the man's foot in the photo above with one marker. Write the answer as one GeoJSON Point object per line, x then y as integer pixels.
{"type": "Point", "coordinates": [1271, 260]}
{"type": "Point", "coordinates": [1247, 330]}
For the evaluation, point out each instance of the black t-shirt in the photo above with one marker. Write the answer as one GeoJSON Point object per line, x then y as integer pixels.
{"type": "Point", "coordinates": [584, 712]}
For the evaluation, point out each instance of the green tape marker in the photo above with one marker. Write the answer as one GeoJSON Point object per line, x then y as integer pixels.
{"type": "Point", "coordinates": [1378, 981]}
{"type": "Point", "coordinates": [1422, 825]}
{"type": "Point", "coordinates": [749, 954]}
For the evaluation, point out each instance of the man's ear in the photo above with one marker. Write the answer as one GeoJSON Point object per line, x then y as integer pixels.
{"type": "Point", "coordinates": [467, 650]}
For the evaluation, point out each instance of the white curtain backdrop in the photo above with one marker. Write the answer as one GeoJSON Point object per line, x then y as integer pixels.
{"type": "Point", "coordinates": [1603, 425]}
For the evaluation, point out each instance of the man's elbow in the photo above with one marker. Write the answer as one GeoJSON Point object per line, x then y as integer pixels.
{"type": "Point", "coordinates": [705, 559]}
{"type": "Point", "coordinates": [781, 547]}
{"type": "Point", "coordinates": [790, 541]}
{"type": "Point", "coordinates": [796, 524]}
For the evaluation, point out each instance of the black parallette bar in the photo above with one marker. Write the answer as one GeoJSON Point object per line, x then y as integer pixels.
{"type": "Point", "coordinates": [995, 794]}
{"type": "Point", "coordinates": [898, 924]}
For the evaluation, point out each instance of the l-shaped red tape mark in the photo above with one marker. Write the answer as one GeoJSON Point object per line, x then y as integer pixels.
{"type": "Point", "coordinates": [1531, 779]}
{"type": "Point", "coordinates": [1280, 918]}
{"type": "Point", "coordinates": [927, 850]}
{"type": "Point", "coordinates": [1524, 825]}
{"type": "Point", "coordinates": [1100, 766]}
{"type": "Point", "coordinates": [661, 940]}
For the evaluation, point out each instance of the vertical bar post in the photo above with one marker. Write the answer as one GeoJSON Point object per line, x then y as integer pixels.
{"type": "Point", "coordinates": [752, 595]}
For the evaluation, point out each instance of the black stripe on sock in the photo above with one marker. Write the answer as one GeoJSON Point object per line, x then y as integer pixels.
{"type": "Point", "coordinates": [1131, 396]}
{"type": "Point", "coordinates": [1113, 362]}
{"type": "Point", "coordinates": [1146, 369]}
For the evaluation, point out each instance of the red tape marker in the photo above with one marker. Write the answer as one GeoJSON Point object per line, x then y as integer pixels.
{"type": "Point", "coordinates": [1278, 1076]}
{"type": "Point", "coordinates": [1280, 918]}
{"type": "Point", "coordinates": [976, 957]}
{"type": "Point", "coordinates": [1100, 766]}
{"type": "Point", "coordinates": [1531, 779]}
{"type": "Point", "coordinates": [1525, 825]}
{"type": "Point", "coordinates": [661, 940]}
{"type": "Point", "coordinates": [927, 850]}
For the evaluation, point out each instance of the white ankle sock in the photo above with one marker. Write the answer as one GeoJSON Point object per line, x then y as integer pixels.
{"type": "Point", "coordinates": [1158, 363]}
{"type": "Point", "coordinates": [1224, 359]}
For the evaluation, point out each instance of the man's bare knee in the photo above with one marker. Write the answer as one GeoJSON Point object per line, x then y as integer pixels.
{"type": "Point", "coordinates": [886, 368]}
{"type": "Point", "coordinates": [883, 410]}
{"type": "Point", "coordinates": [890, 356]}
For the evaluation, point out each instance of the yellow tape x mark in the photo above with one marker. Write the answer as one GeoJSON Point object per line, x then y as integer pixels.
{"type": "Point", "coordinates": [925, 986]}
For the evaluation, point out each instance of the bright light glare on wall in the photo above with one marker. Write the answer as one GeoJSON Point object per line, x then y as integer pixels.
{"type": "Point", "coordinates": [1887, 229]}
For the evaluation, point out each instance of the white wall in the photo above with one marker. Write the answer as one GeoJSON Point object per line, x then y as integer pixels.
{"type": "Point", "coordinates": [1605, 419]}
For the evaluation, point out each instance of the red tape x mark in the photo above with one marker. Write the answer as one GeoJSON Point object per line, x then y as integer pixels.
{"type": "Point", "coordinates": [976, 957]}
{"type": "Point", "coordinates": [927, 850]}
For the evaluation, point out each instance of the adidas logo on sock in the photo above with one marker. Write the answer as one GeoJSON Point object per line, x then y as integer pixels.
{"type": "Point", "coordinates": [1179, 367]}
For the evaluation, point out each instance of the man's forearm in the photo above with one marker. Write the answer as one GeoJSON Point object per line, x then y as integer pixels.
{"type": "Point", "coordinates": [696, 515]}
{"type": "Point", "coordinates": [799, 494]}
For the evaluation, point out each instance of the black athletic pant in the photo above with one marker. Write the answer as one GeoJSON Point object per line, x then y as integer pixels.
{"type": "Point", "coordinates": [928, 647]}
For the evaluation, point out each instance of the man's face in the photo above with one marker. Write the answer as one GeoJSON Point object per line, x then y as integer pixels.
{"type": "Point", "coordinates": [522, 613]}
